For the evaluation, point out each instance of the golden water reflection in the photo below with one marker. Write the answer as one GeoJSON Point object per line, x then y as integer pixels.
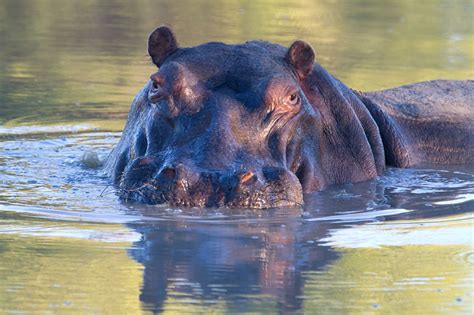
{"type": "Point", "coordinates": [88, 268]}
{"type": "Point", "coordinates": [63, 267]}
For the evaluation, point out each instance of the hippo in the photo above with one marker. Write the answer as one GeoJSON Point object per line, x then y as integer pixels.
{"type": "Point", "coordinates": [258, 125]}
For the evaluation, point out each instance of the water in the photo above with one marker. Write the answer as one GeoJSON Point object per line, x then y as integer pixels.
{"type": "Point", "coordinates": [402, 243]}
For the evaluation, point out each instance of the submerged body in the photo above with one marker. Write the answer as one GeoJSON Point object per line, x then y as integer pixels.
{"type": "Point", "coordinates": [257, 125]}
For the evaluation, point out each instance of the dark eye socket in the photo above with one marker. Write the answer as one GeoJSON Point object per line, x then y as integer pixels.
{"type": "Point", "coordinates": [157, 80]}
{"type": "Point", "coordinates": [156, 92]}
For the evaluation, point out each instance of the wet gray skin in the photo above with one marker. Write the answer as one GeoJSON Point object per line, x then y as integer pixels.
{"type": "Point", "coordinates": [257, 125]}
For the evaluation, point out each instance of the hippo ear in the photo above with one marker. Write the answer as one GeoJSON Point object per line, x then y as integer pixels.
{"type": "Point", "coordinates": [300, 56]}
{"type": "Point", "coordinates": [161, 44]}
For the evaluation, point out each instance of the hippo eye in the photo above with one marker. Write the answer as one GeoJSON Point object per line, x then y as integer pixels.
{"type": "Point", "coordinates": [293, 99]}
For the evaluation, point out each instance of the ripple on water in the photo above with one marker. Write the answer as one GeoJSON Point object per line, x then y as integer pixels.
{"type": "Point", "coordinates": [11, 225]}
{"type": "Point", "coordinates": [454, 230]}
{"type": "Point", "coordinates": [32, 130]}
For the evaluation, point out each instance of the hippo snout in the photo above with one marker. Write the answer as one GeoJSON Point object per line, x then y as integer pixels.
{"type": "Point", "coordinates": [180, 184]}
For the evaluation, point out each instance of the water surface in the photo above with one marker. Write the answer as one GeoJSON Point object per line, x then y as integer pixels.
{"type": "Point", "coordinates": [401, 244]}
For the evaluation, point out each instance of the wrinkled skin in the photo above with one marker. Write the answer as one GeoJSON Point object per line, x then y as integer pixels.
{"type": "Point", "coordinates": [257, 125]}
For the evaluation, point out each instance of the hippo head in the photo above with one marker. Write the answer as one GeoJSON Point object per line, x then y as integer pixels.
{"type": "Point", "coordinates": [222, 125]}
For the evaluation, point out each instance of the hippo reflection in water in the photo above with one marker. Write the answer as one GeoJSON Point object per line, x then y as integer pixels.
{"type": "Point", "coordinates": [257, 125]}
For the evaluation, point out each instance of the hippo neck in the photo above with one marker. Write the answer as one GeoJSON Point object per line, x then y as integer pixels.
{"type": "Point", "coordinates": [394, 142]}
{"type": "Point", "coordinates": [350, 144]}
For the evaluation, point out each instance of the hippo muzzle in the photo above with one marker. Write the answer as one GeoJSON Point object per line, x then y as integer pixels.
{"type": "Point", "coordinates": [147, 180]}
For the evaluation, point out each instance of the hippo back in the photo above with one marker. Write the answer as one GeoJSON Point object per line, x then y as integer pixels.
{"type": "Point", "coordinates": [426, 122]}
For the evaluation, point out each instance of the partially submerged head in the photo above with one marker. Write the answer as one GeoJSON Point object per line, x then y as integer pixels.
{"type": "Point", "coordinates": [220, 125]}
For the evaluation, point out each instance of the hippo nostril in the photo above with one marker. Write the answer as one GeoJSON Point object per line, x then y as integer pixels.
{"type": "Point", "coordinates": [247, 178]}
{"type": "Point", "coordinates": [177, 172]}
{"type": "Point", "coordinates": [169, 173]}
